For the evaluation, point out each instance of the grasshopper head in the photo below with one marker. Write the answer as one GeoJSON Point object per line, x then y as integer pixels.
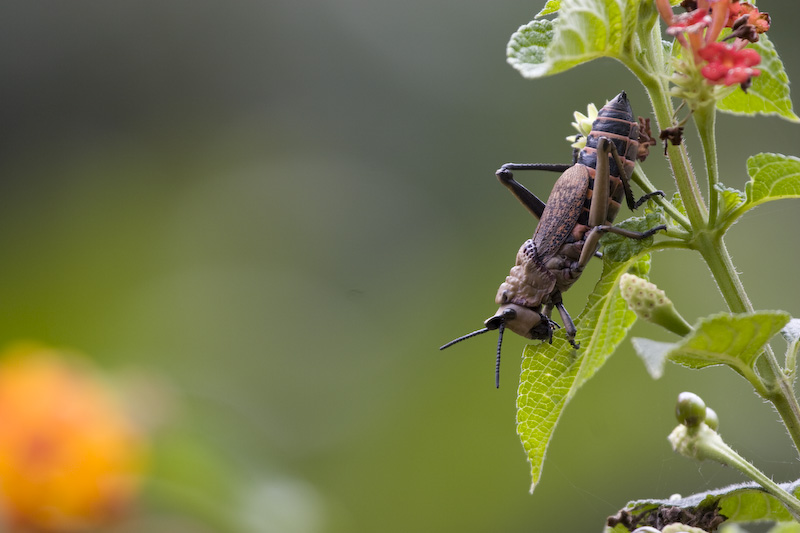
{"type": "Point", "coordinates": [521, 320]}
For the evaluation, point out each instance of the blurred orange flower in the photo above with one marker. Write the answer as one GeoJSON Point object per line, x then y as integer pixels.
{"type": "Point", "coordinates": [70, 458]}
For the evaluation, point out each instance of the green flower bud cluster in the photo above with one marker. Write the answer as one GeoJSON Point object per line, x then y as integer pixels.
{"type": "Point", "coordinates": [696, 437]}
{"type": "Point", "coordinates": [651, 303]}
{"type": "Point", "coordinates": [691, 411]}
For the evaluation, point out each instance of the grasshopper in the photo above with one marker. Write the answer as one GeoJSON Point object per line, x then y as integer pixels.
{"type": "Point", "coordinates": [581, 207]}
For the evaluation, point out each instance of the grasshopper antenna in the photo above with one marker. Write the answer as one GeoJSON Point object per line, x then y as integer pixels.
{"type": "Point", "coordinates": [497, 364]}
{"type": "Point", "coordinates": [465, 337]}
{"type": "Point", "coordinates": [499, 325]}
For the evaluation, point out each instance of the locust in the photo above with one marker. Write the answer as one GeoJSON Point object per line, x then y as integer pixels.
{"type": "Point", "coordinates": [581, 208]}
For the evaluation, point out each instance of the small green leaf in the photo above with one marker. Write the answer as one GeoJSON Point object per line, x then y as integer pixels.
{"type": "Point", "coordinates": [733, 340]}
{"type": "Point", "coordinates": [527, 48]}
{"type": "Point", "coordinates": [584, 30]}
{"type": "Point", "coordinates": [769, 94]}
{"type": "Point", "coordinates": [677, 201]}
{"type": "Point", "coordinates": [549, 8]}
{"type": "Point", "coordinates": [552, 373]}
{"type": "Point", "coordinates": [772, 177]}
{"type": "Point", "coordinates": [746, 502]}
{"type": "Point", "coordinates": [731, 198]}
{"type": "Point", "coordinates": [619, 248]}
{"type": "Point", "coordinates": [653, 353]}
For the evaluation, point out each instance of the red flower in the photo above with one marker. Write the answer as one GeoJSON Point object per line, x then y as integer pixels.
{"type": "Point", "coordinates": [728, 65]}
{"type": "Point", "coordinates": [698, 29]}
{"type": "Point", "coordinates": [692, 22]}
{"type": "Point", "coordinates": [737, 10]}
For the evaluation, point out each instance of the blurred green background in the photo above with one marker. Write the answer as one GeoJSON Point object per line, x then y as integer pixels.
{"type": "Point", "coordinates": [281, 209]}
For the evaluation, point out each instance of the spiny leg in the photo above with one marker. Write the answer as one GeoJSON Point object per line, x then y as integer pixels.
{"type": "Point", "coordinates": [569, 325]}
{"type": "Point", "coordinates": [593, 237]}
{"type": "Point", "coordinates": [598, 210]}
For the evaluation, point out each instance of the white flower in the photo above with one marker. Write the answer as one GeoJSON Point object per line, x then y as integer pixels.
{"type": "Point", "coordinates": [583, 124]}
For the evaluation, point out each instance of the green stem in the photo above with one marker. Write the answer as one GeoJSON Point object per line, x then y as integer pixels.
{"type": "Point", "coordinates": [678, 156]}
{"type": "Point", "coordinates": [772, 384]}
{"type": "Point", "coordinates": [703, 443]}
{"type": "Point", "coordinates": [670, 245]}
{"type": "Point", "coordinates": [658, 91]}
{"type": "Point", "coordinates": [705, 119]}
{"type": "Point", "coordinates": [791, 358]}
{"type": "Point", "coordinates": [640, 179]}
{"type": "Point", "coordinates": [776, 386]}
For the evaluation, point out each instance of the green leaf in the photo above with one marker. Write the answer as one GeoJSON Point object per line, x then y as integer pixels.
{"type": "Point", "coordinates": [731, 198]}
{"type": "Point", "coordinates": [619, 248]}
{"type": "Point", "coordinates": [548, 374]}
{"type": "Point", "coordinates": [584, 30]}
{"type": "Point", "coordinates": [733, 340]}
{"type": "Point", "coordinates": [606, 319]}
{"type": "Point", "coordinates": [552, 373]}
{"type": "Point", "coordinates": [769, 94]}
{"type": "Point", "coordinates": [772, 177]}
{"type": "Point", "coordinates": [746, 502]}
{"type": "Point", "coordinates": [528, 45]}
{"type": "Point", "coordinates": [549, 8]}
{"type": "Point", "coordinates": [677, 201]}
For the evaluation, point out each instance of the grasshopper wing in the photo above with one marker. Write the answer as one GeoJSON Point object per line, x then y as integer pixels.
{"type": "Point", "coordinates": [564, 206]}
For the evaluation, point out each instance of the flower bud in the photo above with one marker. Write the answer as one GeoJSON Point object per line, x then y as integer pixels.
{"type": "Point", "coordinates": [651, 303]}
{"type": "Point", "coordinates": [712, 420]}
{"type": "Point", "coordinates": [690, 410]}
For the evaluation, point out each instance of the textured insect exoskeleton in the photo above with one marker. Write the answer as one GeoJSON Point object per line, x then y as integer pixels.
{"type": "Point", "coordinates": [581, 207]}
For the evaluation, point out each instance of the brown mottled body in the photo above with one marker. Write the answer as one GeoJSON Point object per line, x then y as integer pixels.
{"type": "Point", "coordinates": [581, 207]}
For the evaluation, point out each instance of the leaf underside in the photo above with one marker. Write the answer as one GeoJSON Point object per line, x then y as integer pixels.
{"type": "Point", "coordinates": [584, 30]}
